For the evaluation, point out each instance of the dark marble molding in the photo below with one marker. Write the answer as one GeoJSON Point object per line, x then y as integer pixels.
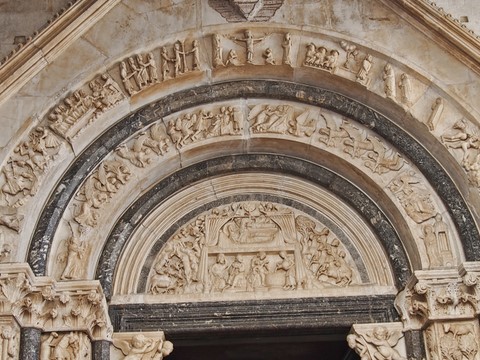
{"type": "Point", "coordinates": [301, 316]}
{"type": "Point", "coordinates": [267, 89]}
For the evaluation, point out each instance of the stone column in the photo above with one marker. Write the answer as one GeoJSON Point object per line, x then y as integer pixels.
{"type": "Point", "coordinates": [101, 350]}
{"type": "Point", "coordinates": [444, 305]}
{"type": "Point", "coordinates": [30, 340]}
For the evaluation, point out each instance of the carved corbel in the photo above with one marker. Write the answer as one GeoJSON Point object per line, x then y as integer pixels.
{"type": "Point", "coordinates": [140, 345]}
{"type": "Point", "coordinates": [378, 341]}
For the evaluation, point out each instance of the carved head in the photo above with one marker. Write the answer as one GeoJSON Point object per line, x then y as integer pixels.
{"type": "Point", "coordinates": [167, 348]}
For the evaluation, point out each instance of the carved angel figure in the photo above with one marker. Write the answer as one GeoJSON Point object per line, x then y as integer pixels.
{"type": "Point", "coordinates": [377, 344]}
{"type": "Point", "coordinates": [141, 348]}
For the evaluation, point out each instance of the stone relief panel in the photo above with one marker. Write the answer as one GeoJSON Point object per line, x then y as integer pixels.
{"type": "Point", "coordinates": [84, 106]}
{"type": "Point", "coordinates": [252, 48]}
{"type": "Point", "coordinates": [9, 338]}
{"type": "Point", "coordinates": [72, 345]}
{"type": "Point", "coordinates": [251, 247]}
{"type": "Point", "coordinates": [138, 346]}
{"type": "Point", "coordinates": [378, 341]}
{"type": "Point", "coordinates": [453, 340]}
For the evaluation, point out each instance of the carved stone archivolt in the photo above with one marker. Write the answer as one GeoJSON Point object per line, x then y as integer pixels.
{"type": "Point", "coordinates": [251, 246]}
{"type": "Point", "coordinates": [177, 132]}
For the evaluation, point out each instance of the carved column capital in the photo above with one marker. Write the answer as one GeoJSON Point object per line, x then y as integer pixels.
{"type": "Point", "coordinates": [378, 341]}
{"type": "Point", "coordinates": [42, 302]}
{"type": "Point", "coordinates": [150, 343]}
{"type": "Point", "coordinates": [435, 295]}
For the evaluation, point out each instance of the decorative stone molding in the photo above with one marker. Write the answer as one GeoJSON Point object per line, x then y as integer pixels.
{"type": "Point", "coordinates": [41, 302]}
{"type": "Point", "coordinates": [382, 341]}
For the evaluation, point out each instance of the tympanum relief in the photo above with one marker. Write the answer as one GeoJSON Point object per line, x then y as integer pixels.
{"type": "Point", "coordinates": [249, 247]}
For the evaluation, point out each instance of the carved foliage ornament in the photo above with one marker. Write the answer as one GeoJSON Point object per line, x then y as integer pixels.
{"type": "Point", "coordinates": [250, 246]}
{"type": "Point", "coordinates": [42, 305]}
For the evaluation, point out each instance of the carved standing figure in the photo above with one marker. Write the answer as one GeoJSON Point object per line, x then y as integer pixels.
{"type": "Point", "coordinates": [76, 249]}
{"type": "Point", "coordinates": [362, 75]}
{"type": "Point", "coordinates": [196, 55]}
{"type": "Point", "coordinates": [431, 245]}
{"type": "Point", "coordinates": [287, 49]}
{"type": "Point", "coordinates": [151, 68]}
{"type": "Point", "coordinates": [437, 110]}
{"type": "Point", "coordinates": [389, 82]}
{"type": "Point", "coordinates": [217, 51]}
{"type": "Point", "coordinates": [126, 78]}
{"type": "Point", "coordinates": [249, 41]}
{"type": "Point", "coordinates": [406, 91]}
{"type": "Point", "coordinates": [165, 61]}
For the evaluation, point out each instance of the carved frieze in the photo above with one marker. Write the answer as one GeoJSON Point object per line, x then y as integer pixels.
{"type": "Point", "coordinates": [378, 341]}
{"type": "Point", "coordinates": [252, 49]}
{"type": "Point", "coordinates": [84, 106]}
{"type": "Point", "coordinates": [138, 346]}
{"type": "Point", "coordinates": [321, 58]}
{"type": "Point", "coordinates": [251, 246]}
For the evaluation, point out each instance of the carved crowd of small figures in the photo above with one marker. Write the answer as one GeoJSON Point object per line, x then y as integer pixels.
{"type": "Point", "coordinates": [82, 108]}
{"type": "Point", "coordinates": [187, 264]}
{"type": "Point", "coordinates": [248, 40]}
{"type": "Point", "coordinates": [140, 71]}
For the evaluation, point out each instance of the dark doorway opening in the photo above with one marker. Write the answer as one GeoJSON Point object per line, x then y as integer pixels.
{"type": "Point", "coordinates": [325, 346]}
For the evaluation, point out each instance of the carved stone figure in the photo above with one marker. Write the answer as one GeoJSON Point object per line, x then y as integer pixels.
{"type": "Point", "coordinates": [165, 60]}
{"type": "Point", "coordinates": [271, 119]}
{"type": "Point", "coordinates": [249, 42]}
{"type": "Point", "coordinates": [258, 271]}
{"type": "Point", "coordinates": [217, 51]}
{"type": "Point", "coordinates": [437, 110]}
{"type": "Point", "coordinates": [236, 273]}
{"type": "Point", "coordinates": [406, 90]}
{"type": "Point", "coordinates": [232, 58]}
{"type": "Point", "coordinates": [179, 60]}
{"type": "Point", "coordinates": [431, 245]}
{"type": "Point", "coordinates": [363, 73]}
{"type": "Point", "coordinates": [351, 53]}
{"type": "Point", "coordinates": [62, 347]}
{"type": "Point", "coordinates": [379, 344]}
{"type": "Point", "coordinates": [287, 49]}
{"type": "Point", "coordinates": [141, 346]}
{"type": "Point", "coordinates": [268, 55]}
{"type": "Point", "coordinates": [413, 197]}
{"type": "Point", "coordinates": [389, 82]}
{"type": "Point", "coordinates": [318, 57]}
{"type": "Point", "coordinates": [9, 343]}
{"type": "Point", "coordinates": [218, 273]}
{"type": "Point", "coordinates": [10, 218]}
{"type": "Point", "coordinates": [460, 137]}
{"type": "Point", "coordinates": [302, 125]}
{"type": "Point", "coordinates": [75, 257]}
{"type": "Point", "coordinates": [286, 264]}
